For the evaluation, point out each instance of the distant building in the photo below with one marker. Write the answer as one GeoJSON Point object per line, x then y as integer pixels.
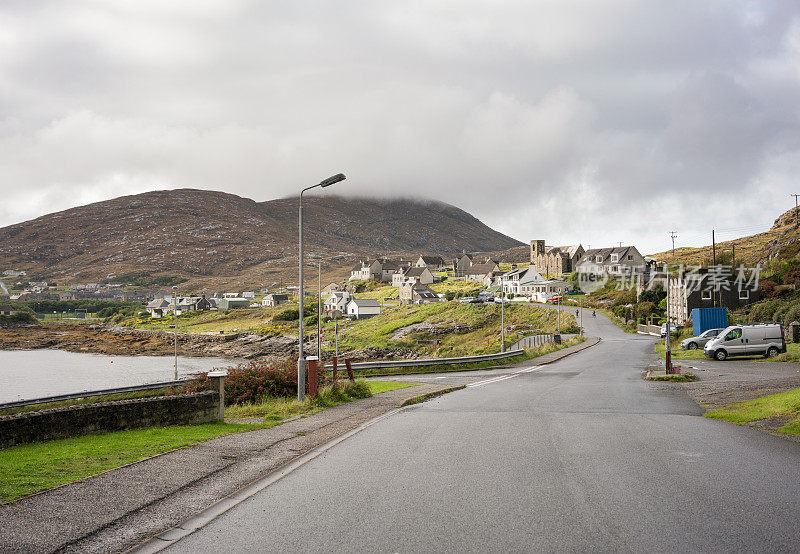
{"type": "Point", "coordinates": [462, 264]}
{"type": "Point", "coordinates": [614, 262]}
{"type": "Point", "coordinates": [232, 303]}
{"type": "Point", "coordinates": [274, 299]}
{"type": "Point", "coordinates": [431, 262]}
{"type": "Point", "coordinates": [555, 260]}
{"type": "Point", "coordinates": [415, 293]}
{"type": "Point", "coordinates": [336, 303]}
{"type": "Point", "coordinates": [361, 308]}
{"type": "Point", "coordinates": [705, 289]}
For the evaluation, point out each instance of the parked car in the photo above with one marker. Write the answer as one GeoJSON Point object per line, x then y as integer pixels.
{"type": "Point", "coordinates": [554, 299]}
{"type": "Point", "coordinates": [672, 329]}
{"type": "Point", "coordinates": [466, 299]}
{"type": "Point", "coordinates": [764, 339]}
{"type": "Point", "coordinates": [693, 343]}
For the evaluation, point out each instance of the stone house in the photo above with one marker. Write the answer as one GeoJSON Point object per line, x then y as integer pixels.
{"type": "Point", "coordinates": [555, 259]}
{"type": "Point", "coordinates": [421, 275]}
{"type": "Point", "coordinates": [462, 264]}
{"type": "Point", "coordinates": [482, 273]}
{"type": "Point", "coordinates": [614, 262]}
{"type": "Point", "coordinates": [415, 293]}
{"type": "Point", "coordinates": [431, 262]}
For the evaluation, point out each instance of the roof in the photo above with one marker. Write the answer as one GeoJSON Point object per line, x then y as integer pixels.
{"type": "Point", "coordinates": [433, 260]}
{"type": "Point", "coordinates": [622, 251]}
{"type": "Point", "coordinates": [365, 302]}
{"type": "Point", "coordinates": [531, 276]}
{"type": "Point", "coordinates": [424, 292]}
{"type": "Point", "coordinates": [278, 296]}
{"type": "Point", "coordinates": [158, 303]}
{"type": "Point", "coordinates": [415, 271]}
{"type": "Point", "coordinates": [481, 269]}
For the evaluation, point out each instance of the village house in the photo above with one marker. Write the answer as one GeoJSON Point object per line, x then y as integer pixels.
{"type": "Point", "coordinates": [336, 303]}
{"type": "Point", "coordinates": [332, 287]}
{"type": "Point", "coordinates": [461, 265]}
{"type": "Point", "coordinates": [483, 273]}
{"type": "Point", "coordinates": [511, 280]}
{"type": "Point", "coordinates": [421, 275]}
{"type": "Point", "coordinates": [6, 309]}
{"type": "Point", "coordinates": [369, 270]}
{"type": "Point", "coordinates": [614, 262]}
{"type": "Point", "coordinates": [540, 291]}
{"type": "Point", "coordinates": [274, 299]}
{"type": "Point", "coordinates": [705, 289]}
{"type": "Point", "coordinates": [416, 293]}
{"type": "Point", "coordinates": [555, 260]}
{"type": "Point", "coordinates": [433, 263]}
{"type": "Point", "coordinates": [158, 307]}
{"type": "Point", "coordinates": [361, 308]}
{"type": "Point", "coordinates": [232, 303]}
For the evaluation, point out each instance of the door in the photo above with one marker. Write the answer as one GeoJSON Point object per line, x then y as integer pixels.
{"type": "Point", "coordinates": [733, 342]}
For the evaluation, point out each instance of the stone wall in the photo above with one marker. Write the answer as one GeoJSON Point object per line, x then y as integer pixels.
{"type": "Point", "coordinates": [102, 417]}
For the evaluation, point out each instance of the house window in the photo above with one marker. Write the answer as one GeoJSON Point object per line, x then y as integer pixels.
{"type": "Point", "coordinates": [630, 257]}
{"type": "Point", "coordinates": [744, 294]}
{"type": "Point", "coordinates": [706, 295]}
{"type": "Point", "coordinates": [599, 259]}
{"type": "Point", "coordinates": [614, 257]}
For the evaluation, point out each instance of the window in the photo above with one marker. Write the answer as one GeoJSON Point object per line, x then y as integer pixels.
{"type": "Point", "coordinates": [614, 257]}
{"type": "Point", "coordinates": [744, 294]}
{"type": "Point", "coordinates": [706, 295]}
{"type": "Point", "coordinates": [734, 334]}
{"type": "Point", "coordinates": [599, 259]}
{"type": "Point", "coordinates": [630, 257]}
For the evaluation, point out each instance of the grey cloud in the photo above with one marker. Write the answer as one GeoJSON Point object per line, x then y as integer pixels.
{"type": "Point", "coordinates": [572, 121]}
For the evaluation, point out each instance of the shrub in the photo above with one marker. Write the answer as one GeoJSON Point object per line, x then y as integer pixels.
{"type": "Point", "coordinates": [767, 288]}
{"type": "Point", "coordinates": [251, 381]}
{"type": "Point", "coordinates": [792, 275]}
{"type": "Point", "coordinates": [291, 314]}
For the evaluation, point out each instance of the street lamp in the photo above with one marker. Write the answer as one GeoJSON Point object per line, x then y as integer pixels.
{"type": "Point", "coordinates": [175, 331]}
{"type": "Point", "coordinates": [301, 362]}
{"type": "Point", "coordinates": [502, 315]}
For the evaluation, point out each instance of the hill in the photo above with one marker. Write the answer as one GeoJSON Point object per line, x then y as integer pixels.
{"type": "Point", "coordinates": [781, 242]}
{"type": "Point", "coordinates": [215, 237]}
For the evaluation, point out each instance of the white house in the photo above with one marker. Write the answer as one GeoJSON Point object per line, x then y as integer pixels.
{"type": "Point", "coordinates": [248, 294]}
{"type": "Point", "coordinates": [158, 307]}
{"type": "Point", "coordinates": [361, 308]}
{"type": "Point", "coordinates": [337, 302]}
{"type": "Point", "coordinates": [419, 275]}
{"type": "Point", "coordinates": [431, 262]}
{"type": "Point", "coordinates": [511, 281]}
{"type": "Point", "coordinates": [274, 299]}
{"type": "Point", "coordinates": [542, 290]}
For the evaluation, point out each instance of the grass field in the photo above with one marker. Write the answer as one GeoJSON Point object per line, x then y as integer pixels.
{"type": "Point", "coordinates": [785, 404]}
{"type": "Point", "coordinates": [29, 468]}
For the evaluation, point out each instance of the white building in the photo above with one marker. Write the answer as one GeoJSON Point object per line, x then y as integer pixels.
{"type": "Point", "coordinates": [337, 302]}
{"type": "Point", "coordinates": [361, 308]}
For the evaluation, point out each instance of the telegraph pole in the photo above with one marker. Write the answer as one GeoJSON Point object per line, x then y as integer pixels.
{"type": "Point", "coordinates": [673, 235]}
{"type": "Point", "coordinates": [795, 208]}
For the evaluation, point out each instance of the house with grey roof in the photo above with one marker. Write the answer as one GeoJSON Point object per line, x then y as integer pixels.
{"type": "Point", "coordinates": [416, 293]}
{"type": "Point", "coordinates": [421, 275]}
{"type": "Point", "coordinates": [614, 262]}
{"type": "Point", "coordinates": [431, 262]}
{"type": "Point", "coordinates": [483, 273]}
{"type": "Point", "coordinates": [361, 308]}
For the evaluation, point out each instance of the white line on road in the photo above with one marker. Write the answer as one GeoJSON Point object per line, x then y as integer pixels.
{"type": "Point", "coordinates": [504, 377]}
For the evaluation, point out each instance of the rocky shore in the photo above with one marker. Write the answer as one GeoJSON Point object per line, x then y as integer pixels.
{"type": "Point", "coordinates": [123, 341]}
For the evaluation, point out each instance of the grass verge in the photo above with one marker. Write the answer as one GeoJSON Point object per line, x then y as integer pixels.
{"type": "Point", "coordinates": [30, 468]}
{"type": "Point", "coordinates": [786, 404]}
{"type": "Point", "coordinates": [530, 353]}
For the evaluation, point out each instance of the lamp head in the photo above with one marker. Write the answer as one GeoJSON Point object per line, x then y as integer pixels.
{"type": "Point", "coordinates": [332, 180]}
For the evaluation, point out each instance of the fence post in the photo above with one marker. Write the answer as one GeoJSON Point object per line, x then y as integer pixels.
{"type": "Point", "coordinates": [349, 369]}
{"type": "Point", "coordinates": [335, 370]}
{"type": "Point", "coordinates": [218, 385]}
{"type": "Point", "coordinates": [311, 372]}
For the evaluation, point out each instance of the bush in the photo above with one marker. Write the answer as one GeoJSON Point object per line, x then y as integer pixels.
{"type": "Point", "coordinates": [291, 314]}
{"type": "Point", "coordinates": [251, 381]}
{"type": "Point", "coordinates": [767, 288]}
{"type": "Point", "coordinates": [18, 318]}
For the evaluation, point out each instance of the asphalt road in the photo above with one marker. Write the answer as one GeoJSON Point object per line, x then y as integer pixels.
{"type": "Point", "coordinates": [578, 455]}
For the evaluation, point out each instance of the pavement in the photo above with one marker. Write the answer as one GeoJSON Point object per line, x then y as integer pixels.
{"type": "Point", "coordinates": [577, 455]}
{"type": "Point", "coordinates": [118, 509]}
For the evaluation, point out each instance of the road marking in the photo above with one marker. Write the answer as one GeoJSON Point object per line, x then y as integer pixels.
{"type": "Point", "coordinates": [504, 377]}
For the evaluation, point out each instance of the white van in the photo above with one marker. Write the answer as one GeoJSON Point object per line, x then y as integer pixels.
{"type": "Point", "coordinates": [765, 339]}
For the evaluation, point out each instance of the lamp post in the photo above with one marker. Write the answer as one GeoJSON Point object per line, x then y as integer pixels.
{"type": "Point", "coordinates": [301, 362]}
{"type": "Point", "coordinates": [502, 315]}
{"type": "Point", "coordinates": [175, 319]}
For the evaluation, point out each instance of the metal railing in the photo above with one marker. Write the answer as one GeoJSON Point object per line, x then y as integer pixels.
{"type": "Point", "coordinates": [435, 361]}
{"type": "Point", "coordinates": [86, 394]}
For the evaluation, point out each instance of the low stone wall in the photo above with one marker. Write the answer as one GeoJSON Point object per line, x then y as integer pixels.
{"type": "Point", "coordinates": [102, 417]}
{"type": "Point", "coordinates": [654, 330]}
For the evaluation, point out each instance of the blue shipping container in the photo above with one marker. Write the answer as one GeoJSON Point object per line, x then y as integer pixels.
{"type": "Point", "coordinates": [704, 319]}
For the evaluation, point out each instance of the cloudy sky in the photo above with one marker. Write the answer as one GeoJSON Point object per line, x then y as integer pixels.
{"type": "Point", "coordinates": [573, 121]}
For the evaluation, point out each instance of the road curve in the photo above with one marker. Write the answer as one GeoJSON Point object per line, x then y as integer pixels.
{"type": "Point", "coordinates": [578, 455]}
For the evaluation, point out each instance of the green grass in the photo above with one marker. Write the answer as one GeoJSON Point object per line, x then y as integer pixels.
{"type": "Point", "coordinates": [678, 353]}
{"type": "Point", "coordinates": [376, 387]}
{"type": "Point", "coordinates": [29, 468]}
{"type": "Point", "coordinates": [530, 353]}
{"type": "Point", "coordinates": [681, 378]}
{"type": "Point", "coordinates": [781, 404]}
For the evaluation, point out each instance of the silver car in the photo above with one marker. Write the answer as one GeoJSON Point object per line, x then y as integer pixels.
{"type": "Point", "coordinates": [693, 343]}
{"type": "Point", "coordinates": [764, 339]}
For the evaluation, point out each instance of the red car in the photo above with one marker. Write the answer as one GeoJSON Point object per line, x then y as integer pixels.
{"type": "Point", "coordinates": [554, 299]}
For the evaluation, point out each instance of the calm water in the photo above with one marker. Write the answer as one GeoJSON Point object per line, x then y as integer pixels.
{"type": "Point", "coordinates": [36, 373]}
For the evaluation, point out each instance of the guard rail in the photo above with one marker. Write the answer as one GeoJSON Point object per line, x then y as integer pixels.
{"type": "Point", "coordinates": [86, 394]}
